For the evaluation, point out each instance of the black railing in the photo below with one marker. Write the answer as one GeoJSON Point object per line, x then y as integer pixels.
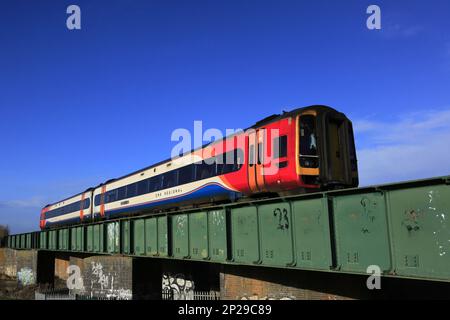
{"type": "Point", "coordinates": [190, 295]}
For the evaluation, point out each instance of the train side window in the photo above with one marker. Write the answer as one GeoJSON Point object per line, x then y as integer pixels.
{"type": "Point", "coordinates": [142, 187]}
{"type": "Point", "coordinates": [87, 203]}
{"type": "Point", "coordinates": [111, 196]}
{"type": "Point", "coordinates": [280, 144]}
{"type": "Point", "coordinates": [155, 183]}
{"type": "Point", "coordinates": [260, 152]}
{"type": "Point", "coordinates": [232, 161]}
{"type": "Point", "coordinates": [131, 190]}
{"type": "Point", "coordinates": [204, 170]}
{"type": "Point", "coordinates": [221, 162]}
{"type": "Point", "coordinates": [122, 193]}
{"type": "Point", "coordinates": [106, 197]}
{"type": "Point", "coordinates": [239, 156]}
{"type": "Point", "coordinates": [251, 155]}
{"type": "Point", "coordinates": [169, 179]}
{"type": "Point", "coordinates": [97, 200]}
{"type": "Point", "coordinates": [209, 169]}
{"type": "Point", "coordinates": [185, 174]}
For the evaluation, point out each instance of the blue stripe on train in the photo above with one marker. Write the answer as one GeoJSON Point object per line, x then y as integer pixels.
{"type": "Point", "coordinates": [63, 222]}
{"type": "Point", "coordinates": [207, 191]}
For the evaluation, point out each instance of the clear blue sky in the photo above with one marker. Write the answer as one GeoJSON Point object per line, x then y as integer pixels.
{"type": "Point", "coordinates": [80, 107]}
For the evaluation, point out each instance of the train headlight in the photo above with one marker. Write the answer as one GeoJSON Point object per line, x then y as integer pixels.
{"type": "Point", "coordinates": [309, 162]}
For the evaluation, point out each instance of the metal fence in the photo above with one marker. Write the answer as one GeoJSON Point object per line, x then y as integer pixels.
{"type": "Point", "coordinates": [65, 294]}
{"type": "Point", "coordinates": [56, 294]}
{"type": "Point", "coordinates": [190, 295]}
{"type": "Point", "coordinates": [206, 295]}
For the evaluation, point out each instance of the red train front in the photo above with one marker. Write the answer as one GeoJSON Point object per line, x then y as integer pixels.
{"type": "Point", "coordinates": [303, 150]}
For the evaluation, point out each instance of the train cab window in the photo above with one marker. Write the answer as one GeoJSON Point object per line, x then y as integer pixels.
{"type": "Point", "coordinates": [122, 193]}
{"type": "Point", "coordinates": [131, 190]}
{"type": "Point", "coordinates": [308, 141]}
{"type": "Point", "coordinates": [280, 144]}
{"type": "Point", "coordinates": [185, 174]}
{"type": "Point", "coordinates": [142, 187]}
{"type": "Point", "coordinates": [154, 183]}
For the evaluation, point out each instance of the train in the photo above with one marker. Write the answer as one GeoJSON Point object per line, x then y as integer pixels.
{"type": "Point", "coordinates": [304, 150]}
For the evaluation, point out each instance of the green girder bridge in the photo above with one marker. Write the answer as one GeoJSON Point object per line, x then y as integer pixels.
{"type": "Point", "coordinates": [403, 228]}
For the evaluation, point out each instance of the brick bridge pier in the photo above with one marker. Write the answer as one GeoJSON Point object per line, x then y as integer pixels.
{"type": "Point", "coordinates": [125, 277]}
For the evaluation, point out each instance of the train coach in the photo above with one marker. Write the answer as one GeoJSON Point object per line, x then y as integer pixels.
{"type": "Point", "coordinates": [307, 149]}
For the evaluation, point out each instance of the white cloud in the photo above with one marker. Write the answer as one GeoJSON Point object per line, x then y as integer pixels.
{"type": "Point", "coordinates": [400, 30]}
{"type": "Point", "coordinates": [21, 215]}
{"type": "Point", "coordinates": [22, 203]}
{"type": "Point", "coordinates": [411, 147]}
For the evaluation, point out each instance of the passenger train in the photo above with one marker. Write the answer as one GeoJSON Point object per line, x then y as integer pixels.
{"type": "Point", "coordinates": [307, 149]}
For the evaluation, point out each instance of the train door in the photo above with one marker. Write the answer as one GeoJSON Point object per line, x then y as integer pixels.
{"type": "Point", "coordinates": [255, 161]}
